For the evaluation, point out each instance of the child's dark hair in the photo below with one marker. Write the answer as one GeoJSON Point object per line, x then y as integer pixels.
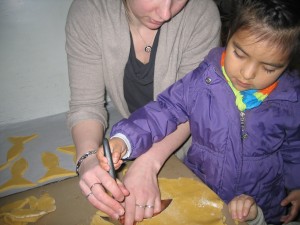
{"type": "Point", "coordinates": [274, 20]}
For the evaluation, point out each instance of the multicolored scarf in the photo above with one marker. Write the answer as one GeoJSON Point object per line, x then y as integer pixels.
{"type": "Point", "coordinates": [247, 99]}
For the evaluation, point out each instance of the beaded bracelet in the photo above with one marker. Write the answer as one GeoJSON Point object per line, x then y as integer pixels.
{"type": "Point", "coordinates": [85, 155]}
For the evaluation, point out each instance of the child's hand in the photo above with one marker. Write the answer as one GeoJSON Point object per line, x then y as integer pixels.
{"type": "Point", "coordinates": [294, 199]}
{"type": "Point", "coordinates": [118, 149]}
{"type": "Point", "coordinates": [243, 208]}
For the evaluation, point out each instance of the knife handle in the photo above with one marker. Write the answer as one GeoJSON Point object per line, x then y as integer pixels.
{"type": "Point", "coordinates": [107, 154]}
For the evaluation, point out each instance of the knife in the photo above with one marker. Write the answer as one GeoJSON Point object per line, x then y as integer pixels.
{"type": "Point", "coordinates": [107, 154]}
{"type": "Point", "coordinates": [112, 172]}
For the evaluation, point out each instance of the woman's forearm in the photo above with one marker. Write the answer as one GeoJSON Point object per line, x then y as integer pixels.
{"type": "Point", "coordinates": [87, 135]}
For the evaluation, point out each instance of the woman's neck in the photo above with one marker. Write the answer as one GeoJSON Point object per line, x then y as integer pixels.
{"type": "Point", "coordinates": [142, 38]}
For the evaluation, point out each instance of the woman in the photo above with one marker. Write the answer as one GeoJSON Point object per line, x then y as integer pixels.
{"type": "Point", "coordinates": [131, 49]}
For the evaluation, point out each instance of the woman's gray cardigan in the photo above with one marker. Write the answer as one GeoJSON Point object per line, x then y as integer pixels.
{"type": "Point", "coordinates": [98, 44]}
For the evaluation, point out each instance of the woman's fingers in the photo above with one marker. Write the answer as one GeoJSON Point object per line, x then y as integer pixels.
{"type": "Point", "coordinates": [122, 188]}
{"type": "Point", "coordinates": [144, 196]}
{"type": "Point", "coordinates": [106, 204]}
{"type": "Point", "coordinates": [130, 210]}
{"type": "Point", "coordinates": [157, 205]}
{"type": "Point", "coordinates": [101, 190]}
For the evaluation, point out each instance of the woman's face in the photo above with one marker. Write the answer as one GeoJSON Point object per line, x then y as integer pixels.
{"type": "Point", "coordinates": [153, 13]}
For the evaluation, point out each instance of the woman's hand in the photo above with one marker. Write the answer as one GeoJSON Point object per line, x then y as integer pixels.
{"type": "Point", "coordinates": [294, 199]}
{"type": "Point", "coordinates": [144, 198]}
{"type": "Point", "coordinates": [95, 182]}
{"type": "Point", "coordinates": [243, 208]}
{"type": "Point", "coordinates": [100, 189]}
{"type": "Point", "coordinates": [141, 178]}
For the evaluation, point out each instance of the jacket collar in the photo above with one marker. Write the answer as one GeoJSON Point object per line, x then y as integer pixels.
{"type": "Point", "coordinates": [286, 89]}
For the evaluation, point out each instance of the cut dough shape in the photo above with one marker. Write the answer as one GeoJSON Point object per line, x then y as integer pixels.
{"type": "Point", "coordinates": [51, 162]}
{"type": "Point", "coordinates": [17, 180]}
{"type": "Point", "coordinates": [68, 149]}
{"type": "Point", "coordinates": [97, 220]}
{"type": "Point", "coordinates": [17, 148]}
{"type": "Point", "coordinates": [27, 210]}
{"type": "Point", "coordinates": [193, 204]}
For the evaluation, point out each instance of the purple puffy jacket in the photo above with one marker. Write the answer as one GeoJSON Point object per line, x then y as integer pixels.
{"type": "Point", "coordinates": [262, 161]}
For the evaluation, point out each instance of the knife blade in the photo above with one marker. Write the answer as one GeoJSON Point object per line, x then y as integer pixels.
{"type": "Point", "coordinates": [107, 154]}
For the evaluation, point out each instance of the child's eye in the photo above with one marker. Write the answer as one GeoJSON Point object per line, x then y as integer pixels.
{"type": "Point", "coordinates": [237, 54]}
{"type": "Point", "coordinates": [269, 71]}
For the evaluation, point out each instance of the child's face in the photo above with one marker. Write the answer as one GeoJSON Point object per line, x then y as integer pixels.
{"type": "Point", "coordinates": [252, 64]}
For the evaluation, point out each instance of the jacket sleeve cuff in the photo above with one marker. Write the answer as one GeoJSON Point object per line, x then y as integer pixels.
{"type": "Point", "coordinates": [125, 139]}
{"type": "Point", "coordinates": [259, 220]}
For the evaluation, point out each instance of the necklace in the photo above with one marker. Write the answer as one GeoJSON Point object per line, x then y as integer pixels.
{"type": "Point", "coordinates": [148, 48]}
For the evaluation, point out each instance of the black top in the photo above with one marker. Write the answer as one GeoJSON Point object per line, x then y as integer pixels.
{"type": "Point", "coordinates": [138, 78]}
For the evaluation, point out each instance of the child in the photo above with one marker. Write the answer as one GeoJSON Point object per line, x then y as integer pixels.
{"type": "Point", "coordinates": [243, 106]}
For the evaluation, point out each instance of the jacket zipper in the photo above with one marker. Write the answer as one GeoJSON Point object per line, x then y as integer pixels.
{"type": "Point", "coordinates": [244, 135]}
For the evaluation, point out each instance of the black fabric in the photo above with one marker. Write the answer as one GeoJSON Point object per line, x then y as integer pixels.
{"type": "Point", "coordinates": [138, 78]}
{"type": "Point", "coordinates": [226, 9]}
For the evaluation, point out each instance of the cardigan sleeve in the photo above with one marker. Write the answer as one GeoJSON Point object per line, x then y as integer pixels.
{"type": "Point", "coordinates": [84, 65]}
{"type": "Point", "coordinates": [205, 27]}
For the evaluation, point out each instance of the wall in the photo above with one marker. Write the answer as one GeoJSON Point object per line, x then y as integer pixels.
{"type": "Point", "coordinates": [33, 67]}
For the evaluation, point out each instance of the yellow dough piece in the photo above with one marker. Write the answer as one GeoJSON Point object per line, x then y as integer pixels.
{"type": "Point", "coordinates": [102, 214]}
{"type": "Point", "coordinates": [17, 180]}
{"type": "Point", "coordinates": [27, 210]}
{"type": "Point", "coordinates": [51, 162]}
{"type": "Point", "coordinates": [193, 204]}
{"type": "Point", "coordinates": [17, 148]}
{"type": "Point", "coordinates": [97, 220]}
{"type": "Point", "coordinates": [14, 205]}
{"type": "Point", "coordinates": [68, 149]}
